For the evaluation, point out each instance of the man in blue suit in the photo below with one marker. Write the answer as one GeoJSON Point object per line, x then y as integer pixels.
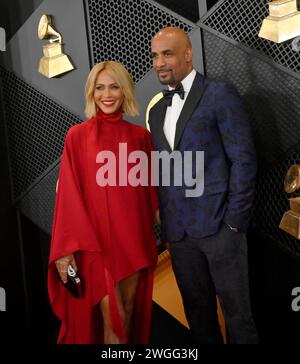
{"type": "Point", "coordinates": [206, 234]}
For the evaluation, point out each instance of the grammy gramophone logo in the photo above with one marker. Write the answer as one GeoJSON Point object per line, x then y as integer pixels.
{"type": "Point", "coordinates": [290, 221]}
{"type": "Point", "coordinates": [54, 62]}
{"type": "Point", "coordinates": [283, 21]}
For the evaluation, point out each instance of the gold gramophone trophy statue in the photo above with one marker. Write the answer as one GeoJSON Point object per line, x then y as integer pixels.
{"type": "Point", "coordinates": [283, 22]}
{"type": "Point", "coordinates": [290, 221]}
{"type": "Point", "coordinates": [54, 62]}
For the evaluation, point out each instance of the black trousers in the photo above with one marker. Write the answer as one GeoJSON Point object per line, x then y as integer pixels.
{"type": "Point", "coordinates": [214, 265]}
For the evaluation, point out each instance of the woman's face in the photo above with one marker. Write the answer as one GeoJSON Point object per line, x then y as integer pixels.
{"type": "Point", "coordinates": [107, 95]}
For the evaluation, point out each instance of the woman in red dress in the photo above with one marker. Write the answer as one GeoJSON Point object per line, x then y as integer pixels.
{"type": "Point", "coordinates": [103, 225]}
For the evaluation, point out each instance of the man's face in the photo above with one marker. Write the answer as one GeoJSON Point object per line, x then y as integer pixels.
{"type": "Point", "coordinates": [171, 59]}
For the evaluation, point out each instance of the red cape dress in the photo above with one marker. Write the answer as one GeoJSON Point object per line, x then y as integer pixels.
{"type": "Point", "coordinates": [109, 229]}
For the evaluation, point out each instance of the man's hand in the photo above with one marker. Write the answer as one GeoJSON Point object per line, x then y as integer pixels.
{"type": "Point", "coordinates": [62, 266]}
{"type": "Point", "coordinates": [234, 229]}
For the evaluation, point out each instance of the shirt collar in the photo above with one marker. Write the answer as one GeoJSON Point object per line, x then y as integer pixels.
{"type": "Point", "coordinates": [187, 82]}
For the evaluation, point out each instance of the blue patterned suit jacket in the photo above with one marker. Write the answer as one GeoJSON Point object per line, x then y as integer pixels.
{"type": "Point", "coordinates": [212, 120]}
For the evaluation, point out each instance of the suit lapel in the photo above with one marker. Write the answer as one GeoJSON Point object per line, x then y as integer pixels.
{"type": "Point", "coordinates": [190, 104]}
{"type": "Point", "coordinates": [157, 126]}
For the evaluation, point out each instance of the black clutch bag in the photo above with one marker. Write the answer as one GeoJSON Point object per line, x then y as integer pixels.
{"type": "Point", "coordinates": [74, 284]}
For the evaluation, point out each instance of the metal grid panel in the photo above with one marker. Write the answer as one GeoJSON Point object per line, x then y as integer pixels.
{"type": "Point", "coordinates": [156, 229]}
{"type": "Point", "coordinates": [36, 127]}
{"type": "Point", "coordinates": [272, 99]}
{"type": "Point", "coordinates": [241, 20]}
{"type": "Point", "coordinates": [188, 9]}
{"type": "Point", "coordinates": [122, 30]}
{"type": "Point", "coordinates": [271, 202]}
{"type": "Point", "coordinates": [38, 205]}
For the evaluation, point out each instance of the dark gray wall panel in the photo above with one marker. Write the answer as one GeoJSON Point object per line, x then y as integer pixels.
{"type": "Point", "coordinates": [122, 31]}
{"type": "Point", "coordinates": [36, 127]}
{"type": "Point", "coordinates": [271, 202]}
{"type": "Point", "coordinates": [241, 20]}
{"type": "Point", "coordinates": [146, 88]}
{"type": "Point", "coordinates": [272, 96]}
{"type": "Point", "coordinates": [25, 50]}
{"type": "Point", "coordinates": [38, 205]}
{"type": "Point", "coordinates": [189, 9]}
{"type": "Point", "coordinates": [196, 39]}
{"type": "Point", "coordinates": [271, 92]}
{"type": "Point", "coordinates": [13, 14]}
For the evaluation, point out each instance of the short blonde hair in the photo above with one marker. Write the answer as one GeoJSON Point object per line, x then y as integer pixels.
{"type": "Point", "coordinates": [121, 76]}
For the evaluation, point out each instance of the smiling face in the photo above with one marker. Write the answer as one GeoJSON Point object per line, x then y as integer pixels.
{"type": "Point", "coordinates": [108, 95]}
{"type": "Point", "coordinates": [171, 56]}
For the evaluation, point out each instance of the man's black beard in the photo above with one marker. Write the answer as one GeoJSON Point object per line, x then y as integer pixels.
{"type": "Point", "coordinates": [168, 82]}
{"type": "Point", "coordinates": [171, 81]}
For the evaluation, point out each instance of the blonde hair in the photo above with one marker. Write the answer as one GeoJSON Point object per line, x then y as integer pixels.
{"type": "Point", "coordinates": [121, 76]}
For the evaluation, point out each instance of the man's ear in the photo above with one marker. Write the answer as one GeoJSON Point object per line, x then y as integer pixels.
{"type": "Point", "coordinates": [189, 54]}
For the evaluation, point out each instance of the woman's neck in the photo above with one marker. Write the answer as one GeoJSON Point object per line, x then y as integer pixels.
{"type": "Point", "coordinates": [113, 118]}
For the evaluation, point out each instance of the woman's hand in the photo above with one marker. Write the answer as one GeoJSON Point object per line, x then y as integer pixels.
{"type": "Point", "coordinates": [157, 217]}
{"type": "Point", "coordinates": [62, 266]}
